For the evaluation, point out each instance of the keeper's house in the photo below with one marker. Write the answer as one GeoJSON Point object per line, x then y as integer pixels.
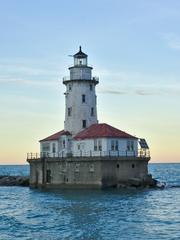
{"type": "Point", "coordinates": [87, 153]}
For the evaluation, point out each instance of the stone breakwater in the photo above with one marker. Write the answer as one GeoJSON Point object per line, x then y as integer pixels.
{"type": "Point", "coordinates": [14, 181]}
{"type": "Point", "coordinates": [6, 180]}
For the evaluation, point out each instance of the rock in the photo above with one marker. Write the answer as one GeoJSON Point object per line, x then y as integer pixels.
{"type": "Point", "coordinates": [148, 181]}
{"type": "Point", "coordinates": [135, 182]}
{"type": "Point", "coordinates": [14, 181]}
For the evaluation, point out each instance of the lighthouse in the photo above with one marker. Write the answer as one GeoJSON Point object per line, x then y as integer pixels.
{"type": "Point", "coordinates": [80, 95]}
{"type": "Point", "coordinates": [87, 153]}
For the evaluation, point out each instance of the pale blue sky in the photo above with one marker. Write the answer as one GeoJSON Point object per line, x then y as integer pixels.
{"type": "Point", "coordinates": [134, 47]}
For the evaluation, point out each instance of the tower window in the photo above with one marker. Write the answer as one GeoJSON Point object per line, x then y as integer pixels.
{"type": "Point", "coordinates": [70, 87]}
{"type": "Point", "coordinates": [92, 111]}
{"type": "Point", "coordinates": [91, 87]}
{"type": "Point", "coordinates": [84, 123]}
{"type": "Point", "coordinates": [83, 98]}
{"type": "Point", "coordinates": [69, 111]}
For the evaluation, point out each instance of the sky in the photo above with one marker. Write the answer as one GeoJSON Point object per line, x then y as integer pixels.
{"type": "Point", "coordinates": [134, 47]}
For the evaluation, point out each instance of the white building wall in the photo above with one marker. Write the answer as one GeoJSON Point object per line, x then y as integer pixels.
{"type": "Point", "coordinates": [122, 147]}
{"type": "Point", "coordinates": [86, 147]}
{"type": "Point", "coordinates": [79, 110]}
{"type": "Point", "coordinates": [62, 147]}
{"type": "Point", "coordinates": [80, 73]}
{"type": "Point", "coordinates": [49, 152]}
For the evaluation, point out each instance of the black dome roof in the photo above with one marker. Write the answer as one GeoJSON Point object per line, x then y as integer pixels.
{"type": "Point", "coordinates": [80, 54]}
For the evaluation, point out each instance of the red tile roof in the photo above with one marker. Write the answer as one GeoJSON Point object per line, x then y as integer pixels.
{"type": "Point", "coordinates": [100, 131]}
{"type": "Point", "coordinates": [55, 136]}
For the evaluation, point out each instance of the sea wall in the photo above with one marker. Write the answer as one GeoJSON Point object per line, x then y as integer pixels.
{"type": "Point", "coordinates": [86, 172]}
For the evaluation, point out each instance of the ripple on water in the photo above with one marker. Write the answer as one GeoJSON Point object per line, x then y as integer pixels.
{"type": "Point", "coordinates": [92, 214]}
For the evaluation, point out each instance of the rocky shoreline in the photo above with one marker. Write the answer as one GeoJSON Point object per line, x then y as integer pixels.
{"type": "Point", "coordinates": [149, 182]}
{"type": "Point", "coordinates": [6, 180]}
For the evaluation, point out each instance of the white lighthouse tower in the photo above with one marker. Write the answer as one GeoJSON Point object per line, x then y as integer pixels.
{"type": "Point", "coordinates": [80, 96]}
{"type": "Point", "coordinates": [87, 153]}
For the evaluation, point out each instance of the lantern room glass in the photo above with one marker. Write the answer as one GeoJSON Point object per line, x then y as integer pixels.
{"type": "Point", "coordinates": [80, 61]}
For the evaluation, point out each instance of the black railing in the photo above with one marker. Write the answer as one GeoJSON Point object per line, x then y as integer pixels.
{"type": "Point", "coordinates": [124, 154]}
{"type": "Point", "coordinates": [67, 78]}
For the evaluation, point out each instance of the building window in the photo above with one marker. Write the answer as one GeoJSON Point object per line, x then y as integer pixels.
{"type": "Point", "coordinates": [83, 98]}
{"type": "Point", "coordinates": [84, 123]}
{"type": "Point", "coordinates": [92, 111]}
{"type": "Point", "coordinates": [133, 166]}
{"type": "Point", "coordinates": [91, 87]}
{"type": "Point", "coordinates": [69, 111]}
{"type": "Point", "coordinates": [117, 165]}
{"type": "Point", "coordinates": [116, 145]}
{"type": "Point", "coordinates": [112, 145]}
{"type": "Point", "coordinates": [130, 145]}
{"type": "Point", "coordinates": [63, 143]}
{"type": "Point", "coordinates": [91, 168]}
{"type": "Point", "coordinates": [48, 176]}
{"type": "Point", "coordinates": [78, 146]}
{"type": "Point", "coordinates": [95, 144]}
{"type": "Point", "coordinates": [53, 147]}
{"type": "Point", "coordinates": [77, 167]}
{"type": "Point", "coordinates": [99, 145]}
{"type": "Point", "coordinates": [45, 147]}
{"type": "Point", "coordinates": [70, 87]}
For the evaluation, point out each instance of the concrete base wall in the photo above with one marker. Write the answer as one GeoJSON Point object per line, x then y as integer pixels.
{"type": "Point", "coordinates": [85, 172]}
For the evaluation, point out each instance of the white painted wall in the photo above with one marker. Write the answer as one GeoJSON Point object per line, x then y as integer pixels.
{"type": "Point", "coordinates": [50, 152]}
{"type": "Point", "coordinates": [87, 147]}
{"type": "Point", "coordinates": [80, 73]}
{"type": "Point", "coordinates": [61, 149]}
{"type": "Point", "coordinates": [80, 111]}
{"type": "Point", "coordinates": [122, 147]}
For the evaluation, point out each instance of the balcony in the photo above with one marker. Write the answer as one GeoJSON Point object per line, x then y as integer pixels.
{"type": "Point", "coordinates": [67, 79]}
{"type": "Point", "coordinates": [118, 155]}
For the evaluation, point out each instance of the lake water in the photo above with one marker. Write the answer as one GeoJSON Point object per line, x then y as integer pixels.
{"type": "Point", "coordinates": [92, 214]}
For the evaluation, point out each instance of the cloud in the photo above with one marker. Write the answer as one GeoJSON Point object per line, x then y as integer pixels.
{"type": "Point", "coordinates": [113, 92]}
{"type": "Point", "coordinates": [18, 68]}
{"type": "Point", "coordinates": [143, 91]}
{"type": "Point", "coordinates": [172, 39]}
{"type": "Point", "coordinates": [4, 80]}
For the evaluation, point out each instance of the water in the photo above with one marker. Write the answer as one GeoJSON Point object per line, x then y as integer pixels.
{"type": "Point", "coordinates": [92, 214]}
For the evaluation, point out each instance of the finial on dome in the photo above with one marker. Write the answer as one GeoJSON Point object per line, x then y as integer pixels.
{"type": "Point", "coordinates": [80, 48]}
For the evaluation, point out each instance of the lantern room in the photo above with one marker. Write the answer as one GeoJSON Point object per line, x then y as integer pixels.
{"type": "Point", "coordinates": [80, 58]}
